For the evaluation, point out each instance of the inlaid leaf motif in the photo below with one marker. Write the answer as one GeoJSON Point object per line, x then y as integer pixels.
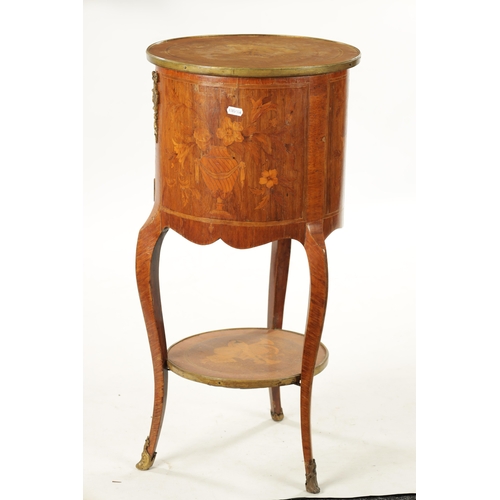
{"type": "Point", "coordinates": [265, 141]}
{"type": "Point", "coordinates": [242, 168]}
{"type": "Point", "coordinates": [264, 201]}
{"type": "Point", "coordinates": [184, 185]}
{"type": "Point", "coordinates": [202, 137]}
{"type": "Point", "coordinates": [278, 197]}
{"type": "Point", "coordinates": [254, 152]}
{"type": "Point", "coordinates": [249, 131]}
{"type": "Point", "coordinates": [182, 150]}
{"type": "Point", "coordinates": [186, 190]}
{"type": "Point", "coordinates": [285, 183]}
{"type": "Point", "coordinates": [184, 197]}
{"type": "Point", "coordinates": [238, 148]}
{"type": "Point", "coordinates": [261, 106]}
{"type": "Point", "coordinates": [257, 191]}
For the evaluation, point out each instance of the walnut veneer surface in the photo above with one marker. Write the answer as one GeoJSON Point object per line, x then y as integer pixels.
{"type": "Point", "coordinates": [249, 133]}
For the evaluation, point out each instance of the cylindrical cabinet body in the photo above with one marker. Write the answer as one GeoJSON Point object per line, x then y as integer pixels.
{"type": "Point", "coordinates": [265, 154]}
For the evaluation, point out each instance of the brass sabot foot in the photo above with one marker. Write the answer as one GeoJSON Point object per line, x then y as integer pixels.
{"type": "Point", "coordinates": [146, 459]}
{"type": "Point", "coordinates": [277, 417]}
{"type": "Point", "coordinates": [311, 479]}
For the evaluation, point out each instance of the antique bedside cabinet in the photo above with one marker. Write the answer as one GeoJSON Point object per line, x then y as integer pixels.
{"type": "Point", "coordinates": [249, 133]}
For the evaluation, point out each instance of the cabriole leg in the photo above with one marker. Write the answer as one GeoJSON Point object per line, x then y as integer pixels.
{"type": "Point", "coordinates": [147, 265]}
{"type": "Point", "coordinates": [280, 260]}
{"type": "Point", "coordinates": [318, 268]}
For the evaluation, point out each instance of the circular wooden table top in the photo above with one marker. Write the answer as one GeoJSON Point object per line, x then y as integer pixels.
{"type": "Point", "coordinates": [253, 55]}
{"type": "Point", "coordinates": [243, 358]}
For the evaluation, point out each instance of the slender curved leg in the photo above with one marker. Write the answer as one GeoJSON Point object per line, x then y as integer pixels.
{"type": "Point", "coordinates": [147, 264]}
{"type": "Point", "coordinates": [318, 268]}
{"type": "Point", "coordinates": [280, 260]}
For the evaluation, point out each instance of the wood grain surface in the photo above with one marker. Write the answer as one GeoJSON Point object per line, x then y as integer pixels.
{"type": "Point", "coordinates": [253, 55]}
{"type": "Point", "coordinates": [255, 178]}
{"type": "Point", "coordinates": [242, 357]}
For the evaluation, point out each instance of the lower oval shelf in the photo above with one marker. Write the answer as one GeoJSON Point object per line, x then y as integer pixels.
{"type": "Point", "coordinates": [243, 358]}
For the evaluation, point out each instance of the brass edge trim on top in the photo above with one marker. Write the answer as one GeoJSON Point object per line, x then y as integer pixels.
{"type": "Point", "coordinates": [251, 72]}
{"type": "Point", "coordinates": [243, 85]}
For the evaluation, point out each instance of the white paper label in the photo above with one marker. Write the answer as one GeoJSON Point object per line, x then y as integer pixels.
{"type": "Point", "coordinates": [234, 111]}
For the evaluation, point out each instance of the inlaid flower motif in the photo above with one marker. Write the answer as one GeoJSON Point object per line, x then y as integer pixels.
{"type": "Point", "coordinates": [230, 132]}
{"type": "Point", "coordinates": [269, 178]}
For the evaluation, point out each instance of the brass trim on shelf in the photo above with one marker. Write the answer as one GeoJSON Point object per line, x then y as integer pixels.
{"type": "Point", "coordinates": [243, 383]}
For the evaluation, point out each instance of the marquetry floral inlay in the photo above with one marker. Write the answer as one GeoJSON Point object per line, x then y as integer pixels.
{"type": "Point", "coordinates": [230, 132]}
{"type": "Point", "coordinates": [269, 178]}
{"type": "Point", "coordinates": [262, 352]}
{"type": "Point", "coordinates": [224, 154]}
